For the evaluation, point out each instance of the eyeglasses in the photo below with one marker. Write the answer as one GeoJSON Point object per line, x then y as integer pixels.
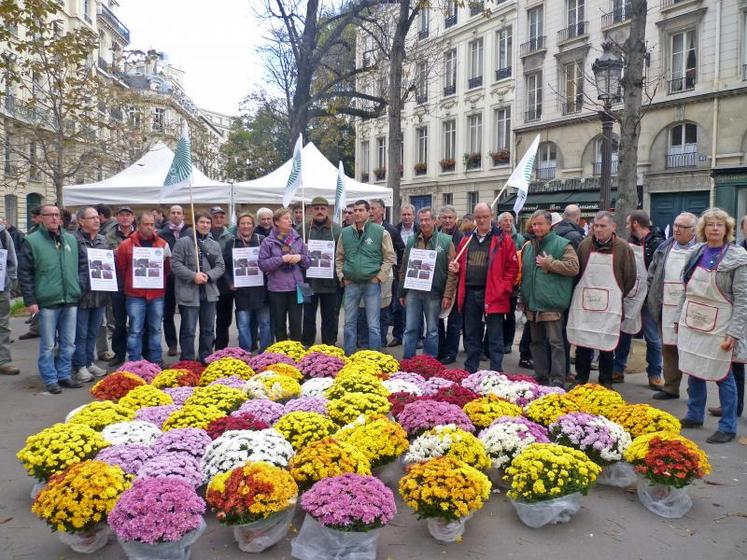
{"type": "Point", "coordinates": [50, 215]}
{"type": "Point", "coordinates": [680, 226]}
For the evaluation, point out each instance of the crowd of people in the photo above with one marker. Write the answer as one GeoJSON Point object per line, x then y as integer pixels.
{"type": "Point", "coordinates": [434, 280]}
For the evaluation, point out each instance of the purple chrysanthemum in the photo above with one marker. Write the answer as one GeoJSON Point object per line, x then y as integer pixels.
{"type": "Point", "coordinates": [173, 464]}
{"type": "Point", "coordinates": [263, 409]}
{"type": "Point", "coordinates": [537, 431]}
{"type": "Point", "coordinates": [260, 362]}
{"type": "Point", "coordinates": [230, 352]}
{"type": "Point", "coordinates": [145, 369]}
{"type": "Point", "coordinates": [184, 440]}
{"type": "Point", "coordinates": [179, 394]}
{"type": "Point", "coordinates": [233, 381]}
{"type": "Point", "coordinates": [156, 414]}
{"type": "Point", "coordinates": [130, 458]}
{"type": "Point", "coordinates": [306, 404]}
{"type": "Point", "coordinates": [422, 415]}
{"type": "Point", "coordinates": [318, 364]}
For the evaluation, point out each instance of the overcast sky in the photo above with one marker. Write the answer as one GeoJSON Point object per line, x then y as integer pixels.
{"type": "Point", "coordinates": [213, 42]}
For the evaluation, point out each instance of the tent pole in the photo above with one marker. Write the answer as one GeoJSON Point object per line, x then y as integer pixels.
{"type": "Point", "coordinates": [194, 225]}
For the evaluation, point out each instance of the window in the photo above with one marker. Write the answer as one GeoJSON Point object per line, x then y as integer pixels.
{"type": "Point", "coordinates": [573, 85]}
{"type": "Point", "coordinates": [421, 82]}
{"type": "Point", "coordinates": [683, 146]}
{"type": "Point", "coordinates": [534, 18]}
{"type": "Point", "coordinates": [34, 172]}
{"type": "Point", "coordinates": [598, 155]}
{"type": "Point", "coordinates": [381, 153]}
{"type": "Point", "coordinates": [448, 199]}
{"type": "Point", "coordinates": [36, 85]}
{"type": "Point", "coordinates": [158, 118]}
{"type": "Point", "coordinates": [504, 40]}
{"type": "Point", "coordinates": [133, 116]}
{"type": "Point", "coordinates": [451, 14]}
{"type": "Point", "coordinates": [450, 72]}
{"type": "Point", "coordinates": [424, 23]}
{"type": "Point", "coordinates": [473, 198]}
{"type": "Point", "coordinates": [684, 61]}
{"type": "Point", "coordinates": [11, 211]}
{"type": "Point", "coordinates": [449, 144]}
{"type": "Point", "coordinates": [8, 166]}
{"type": "Point", "coordinates": [365, 161]}
{"type": "Point", "coordinates": [502, 139]}
{"type": "Point", "coordinates": [744, 46]}
{"type": "Point", "coordinates": [546, 163]}
{"type": "Point", "coordinates": [474, 126]}
{"type": "Point", "coordinates": [576, 18]}
{"type": "Point", "coordinates": [381, 86]}
{"type": "Point", "coordinates": [422, 135]}
{"type": "Point", "coordinates": [475, 63]}
{"type": "Point", "coordinates": [87, 10]}
{"type": "Point", "coordinates": [534, 97]}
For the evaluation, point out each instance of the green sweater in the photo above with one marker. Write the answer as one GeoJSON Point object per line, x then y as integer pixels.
{"type": "Point", "coordinates": [55, 268]}
{"type": "Point", "coordinates": [542, 290]}
{"type": "Point", "coordinates": [363, 254]}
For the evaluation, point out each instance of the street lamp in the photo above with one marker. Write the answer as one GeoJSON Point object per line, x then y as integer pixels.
{"type": "Point", "coordinates": [607, 72]}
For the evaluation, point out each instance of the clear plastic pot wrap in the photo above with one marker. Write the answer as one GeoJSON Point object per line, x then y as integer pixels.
{"type": "Point", "coordinates": [664, 501]}
{"type": "Point", "coordinates": [262, 534]}
{"type": "Point", "coordinates": [620, 475]}
{"type": "Point", "coordinates": [37, 488]}
{"type": "Point", "coordinates": [557, 510]}
{"type": "Point", "coordinates": [447, 531]}
{"type": "Point", "coordinates": [177, 550]}
{"type": "Point", "coordinates": [87, 542]}
{"type": "Point", "coordinates": [316, 542]}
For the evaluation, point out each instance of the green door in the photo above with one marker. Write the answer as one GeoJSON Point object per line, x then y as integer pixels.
{"type": "Point", "coordinates": [666, 206]}
{"type": "Point", "coordinates": [32, 200]}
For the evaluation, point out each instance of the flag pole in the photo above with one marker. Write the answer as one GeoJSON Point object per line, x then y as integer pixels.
{"type": "Point", "coordinates": [194, 224]}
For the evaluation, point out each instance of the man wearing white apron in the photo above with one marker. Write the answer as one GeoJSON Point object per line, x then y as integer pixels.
{"type": "Point", "coordinates": [644, 240]}
{"type": "Point", "coordinates": [665, 288]}
{"type": "Point", "coordinates": [607, 273]}
{"type": "Point", "coordinates": [711, 327]}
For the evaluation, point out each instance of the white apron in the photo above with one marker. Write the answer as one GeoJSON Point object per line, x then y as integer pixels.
{"type": "Point", "coordinates": [596, 307]}
{"type": "Point", "coordinates": [672, 291]}
{"type": "Point", "coordinates": [633, 302]}
{"type": "Point", "coordinates": [702, 328]}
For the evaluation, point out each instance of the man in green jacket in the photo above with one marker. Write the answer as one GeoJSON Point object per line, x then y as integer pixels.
{"type": "Point", "coordinates": [48, 274]}
{"type": "Point", "coordinates": [326, 290]}
{"type": "Point", "coordinates": [363, 260]}
{"type": "Point", "coordinates": [548, 266]}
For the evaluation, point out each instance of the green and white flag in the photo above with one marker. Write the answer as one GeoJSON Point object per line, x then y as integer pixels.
{"type": "Point", "coordinates": [340, 201]}
{"type": "Point", "coordinates": [180, 172]}
{"type": "Point", "coordinates": [522, 174]}
{"type": "Point", "coordinates": [294, 179]}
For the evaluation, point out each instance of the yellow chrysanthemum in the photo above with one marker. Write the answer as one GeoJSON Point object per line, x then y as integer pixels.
{"type": "Point", "coordinates": [285, 369]}
{"type": "Point", "coordinates": [100, 414]}
{"type": "Point", "coordinates": [301, 428]}
{"type": "Point", "coordinates": [145, 395]}
{"type": "Point", "coordinates": [377, 437]}
{"type": "Point", "coordinates": [595, 399]}
{"type": "Point", "coordinates": [194, 416]}
{"type": "Point", "coordinates": [329, 350]}
{"type": "Point", "coordinates": [291, 348]}
{"type": "Point", "coordinates": [218, 396]}
{"type": "Point", "coordinates": [349, 406]}
{"type": "Point", "coordinates": [327, 458]}
{"type": "Point", "coordinates": [484, 410]}
{"type": "Point", "coordinates": [639, 419]}
{"type": "Point", "coordinates": [225, 367]}
{"type": "Point", "coordinates": [546, 410]}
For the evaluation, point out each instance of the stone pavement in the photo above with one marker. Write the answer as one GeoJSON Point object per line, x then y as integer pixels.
{"type": "Point", "coordinates": [611, 525]}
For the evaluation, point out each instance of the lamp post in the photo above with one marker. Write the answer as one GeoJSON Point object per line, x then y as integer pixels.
{"type": "Point", "coordinates": [607, 73]}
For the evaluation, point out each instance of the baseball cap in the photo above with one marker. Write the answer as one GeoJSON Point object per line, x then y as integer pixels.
{"type": "Point", "coordinates": [216, 210]}
{"type": "Point", "coordinates": [124, 209]}
{"type": "Point", "coordinates": [556, 218]}
{"type": "Point", "coordinates": [319, 201]}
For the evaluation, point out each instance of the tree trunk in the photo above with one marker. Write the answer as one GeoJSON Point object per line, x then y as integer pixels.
{"type": "Point", "coordinates": [634, 50]}
{"type": "Point", "coordinates": [299, 114]}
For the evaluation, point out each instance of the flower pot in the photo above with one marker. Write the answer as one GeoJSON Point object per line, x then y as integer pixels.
{"type": "Point", "coordinates": [620, 475]}
{"type": "Point", "coordinates": [663, 500]}
{"type": "Point", "coordinates": [36, 489]}
{"type": "Point", "coordinates": [317, 542]}
{"type": "Point", "coordinates": [496, 479]}
{"type": "Point", "coordinates": [556, 510]}
{"type": "Point", "coordinates": [87, 542]}
{"type": "Point", "coordinates": [176, 550]}
{"type": "Point", "coordinates": [261, 535]}
{"type": "Point", "coordinates": [447, 531]}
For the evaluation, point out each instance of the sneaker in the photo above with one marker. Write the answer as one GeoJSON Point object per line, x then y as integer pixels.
{"type": "Point", "coordinates": [687, 423]}
{"type": "Point", "coordinates": [173, 351]}
{"type": "Point", "coordinates": [9, 369]}
{"type": "Point", "coordinates": [720, 437]}
{"type": "Point", "coordinates": [446, 360]}
{"type": "Point", "coordinates": [83, 375]}
{"type": "Point", "coordinates": [53, 388]}
{"type": "Point", "coordinates": [618, 377]}
{"type": "Point", "coordinates": [394, 342]}
{"type": "Point", "coordinates": [70, 383]}
{"type": "Point", "coordinates": [96, 370]}
{"type": "Point", "coordinates": [29, 335]}
{"type": "Point", "coordinates": [526, 363]}
{"type": "Point", "coordinates": [664, 396]}
{"type": "Point", "coordinates": [595, 366]}
{"type": "Point", "coordinates": [655, 383]}
{"type": "Point", "coordinates": [106, 356]}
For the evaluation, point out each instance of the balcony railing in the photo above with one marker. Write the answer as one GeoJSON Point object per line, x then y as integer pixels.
{"type": "Point", "coordinates": [533, 114]}
{"type": "Point", "coordinates": [104, 65]}
{"type": "Point", "coordinates": [573, 106]}
{"type": "Point", "coordinates": [546, 173]}
{"type": "Point", "coordinates": [502, 73]}
{"type": "Point", "coordinates": [744, 71]}
{"type": "Point", "coordinates": [423, 34]}
{"type": "Point", "coordinates": [421, 98]}
{"type": "Point", "coordinates": [618, 15]}
{"type": "Point", "coordinates": [476, 8]}
{"type": "Point", "coordinates": [450, 90]}
{"type": "Point", "coordinates": [597, 168]}
{"type": "Point", "coordinates": [533, 45]}
{"type": "Point", "coordinates": [25, 111]}
{"type": "Point", "coordinates": [685, 83]}
{"type": "Point", "coordinates": [364, 177]}
{"type": "Point", "coordinates": [682, 161]}
{"type": "Point", "coordinates": [450, 21]}
{"type": "Point", "coordinates": [474, 82]}
{"type": "Point", "coordinates": [573, 31]}
{"type": "Point", "coordinates": [669, 3]}
{"type": "Point", "coordinates": [113, 20]}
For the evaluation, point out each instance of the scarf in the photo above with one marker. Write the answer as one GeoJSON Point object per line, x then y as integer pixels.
{"type": "Point", "coordinates": [176, 229]}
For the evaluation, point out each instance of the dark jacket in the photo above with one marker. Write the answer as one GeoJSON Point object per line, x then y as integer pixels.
{"type": "Point", "coordinates": [89, 299]}
{"type": "Point", "coordinates": [168, 236]}
{"type": "Point", "coordinates": [281, 276]}
{"type": "Point", "coordinates": [48, 269]}
{"type": "Point", "coordinates": [11, 266]}
{"type": "Point", "coordinates": [415, 229]}
{"type": "Point", "coordinates": [326, 231]}
{"type": "Point", "coordinates": [224, 238]}
{"type": "Point", "coordinates": [456, 237]}
{"type": "Point", "coordinates": [570, 231]}
{"type": "Point", "coordinates": [623, 260]}
{"type": "Point", "coordinates": [650, 243]}
{"type": "Point", "coordinates": [399, 245]}
{"type": "Point", "coordinates": [246, 298]}
{"type": "Point", "coordinates": [18, 237]}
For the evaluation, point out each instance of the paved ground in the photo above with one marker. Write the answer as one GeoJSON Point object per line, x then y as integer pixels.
{"type": "Point", "coordinates": [611, 524]}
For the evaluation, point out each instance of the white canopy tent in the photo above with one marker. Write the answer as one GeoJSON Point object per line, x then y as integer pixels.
{"type": "Point", "coordinates": [319, 179]}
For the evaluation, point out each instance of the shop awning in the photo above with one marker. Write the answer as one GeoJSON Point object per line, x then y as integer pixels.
{"type": "Point", "coordinates": [556, 201]}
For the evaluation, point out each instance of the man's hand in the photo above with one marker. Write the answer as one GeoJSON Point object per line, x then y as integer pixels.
{"type": "Point", "coordinates": [445, 303]}
{"type": "Point", "coordinates": [201, 278]}
{"type": "Point", "coordinates": [729, 343]}
{"type": "Point", "coordinates": [544, 261]}
{"type": "Point", "coordinates": [375, 280]}
{"type": "Point", "coordinates": [345, 282]}
{"type": "Point", "coordinates": [33, 309]}
{"type": "Point", "coordinates": [453, 267]}
{"type": "Point", "coordinates": [402, 301]}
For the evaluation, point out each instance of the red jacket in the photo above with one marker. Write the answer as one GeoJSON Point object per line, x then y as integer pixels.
{"type": "Point", "coordinates": [124, 266]}
{"type": "Point", "coordinates": [503, 266]}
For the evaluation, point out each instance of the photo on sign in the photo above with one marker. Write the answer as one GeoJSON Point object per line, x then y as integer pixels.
{"type": "Point", "coordinates": [95, 273]}
{"type": "Point", "coordinates": [239, 271]}
{"type": "Point", "coordinates": [252, 271]}
{"type": "Point", "coordinates": [107, 274]}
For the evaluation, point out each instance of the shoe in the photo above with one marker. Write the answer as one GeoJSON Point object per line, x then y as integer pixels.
{"type": "Point", "coordinates": [106, 356]}
{"type": "Point", "coordinates": [655, 383]}
{"type": "Point", "coordinates": [419, 345]}
{"type": "Point", "coordinates": [29, 335]}
{"type": "Point", "coordinates": [618, 377]}
{"type": "Point", "coordinates": [594, 366]}
{"type": "Point", "coordinates": [607, 385]}
{"type": "Point", "coordinates": [507, 349]}
{"type": "Point", "coordinates": [83, 375]}
{"type": "Point", "coordinates": [54, 389]}
{"type": "Point", "coordinates": [690, 424]}
{"type": "Point", "coordinates": [715, 411]}
{"type": "Point", "coordinates": [173, 351]}
{"type": "Point", "coordinates": [720, 437]}
{"type": "Point", "coordinates": [9, 370]}
{"type": "Point", "coordinates": [570, 380]}
{"type": "Point", "coordinates": [70, 383]}
{"type": "Point", "coordinates": [526, 363]}
{"type": "Point", "coordinates": [96, 370]}
{"type": "Point", "coordinates": [116, 361]}
{"type": "Point", "coordinates": [446, 360]}
{"type": "Point", "coordinates": [394, 342]}
{"type": "Point", "coordinates": [664, 396]}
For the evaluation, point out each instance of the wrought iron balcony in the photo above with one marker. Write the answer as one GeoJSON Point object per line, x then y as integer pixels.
{"type": "Point", "coordinates": [533, 45]}
{"type": "Point", "coordinates": [423, 34]}
{"type": "Point", "coordinates": [573, 105]}
{"type": "Point", "coordinates": [421, 98]}
{"type": "Point", "coordinates": [744, 71]}
{"type": "Point", "coordinates": [474, 82]}
{"type": "Point", "coordinates": [502, 73]}
{"type": "Point", "coordinates": [618, 15]}
{"type": "Point", "coordinates": [533, 114]}
{"type": "Point", "coordinates": [476, 8]}
{"type": "Point", "coordinates": [684, 83]}
{"type": "Point", "coordinates": [28, 112]}
{"type": "Point", "coordinates": [546, 173]}
{"type": "Point", "coordinates": [597, 168]}
{"type": "Point", "coordinates": [573, 31]}
{"type": "Point", "coordinates": [113, 20]}
{"type": "Point", "coordinates": [450, 90]}
{"type": "Point", "coordinates": [682, 161]}
{"type": "Point", "coordinates": [364, 177]}
{"type": "Point", "coordinates": [450, 21]}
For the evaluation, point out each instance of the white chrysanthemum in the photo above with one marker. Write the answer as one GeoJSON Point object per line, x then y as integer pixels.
{"type": "Point", "coordinates": [316, 387]}
{"type": "Point", "coordinates": [401, 386]}
{"type": "Point", "coordinates": [517, 392]}
{"type": "Point", "coordinates": [503, 442]}
{"type": "Point", "coordinates": [133, 432]}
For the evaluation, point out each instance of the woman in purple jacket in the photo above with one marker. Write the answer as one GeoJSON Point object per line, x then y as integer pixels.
{"type": "Point", "coordinates": [283, 257]}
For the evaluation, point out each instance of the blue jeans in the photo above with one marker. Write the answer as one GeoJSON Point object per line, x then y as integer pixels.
{"type": "Point", "coordinates": [370, 293]}
{"type": "Point", "coordinates": [473, 309]}
{"type": "Point", "coordinates": [243, 322]}
{"type": "Point", "coordinates": [727, 394]}
{"type": "Point", "coordinates": [417, 304]}
{"type": "Point", "coordinates": [141, 311]}
{"type": "Point", "coordinates": [86, 330]}
{"type": "Point", "coordinates": [205, 313]}
{"type": "Point", "coordinates": [653, 347]}
{"type": "Point", "coordinates": [54, 323]}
